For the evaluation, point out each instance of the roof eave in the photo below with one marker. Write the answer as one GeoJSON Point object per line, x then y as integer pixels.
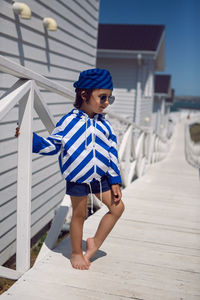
{"type": "Point", "coordinates": [161, 95]}
{"type": "Point", "coordinates": [160, 54]}
{"type": "Point", "coordinates": [125, 54]}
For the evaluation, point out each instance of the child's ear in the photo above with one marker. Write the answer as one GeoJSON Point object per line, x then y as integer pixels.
{"type": "Point", "coordinates": [83, 95]}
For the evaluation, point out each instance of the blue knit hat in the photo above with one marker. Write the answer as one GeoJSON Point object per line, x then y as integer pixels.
{"type": "Point", "coordinates": [94, 79]}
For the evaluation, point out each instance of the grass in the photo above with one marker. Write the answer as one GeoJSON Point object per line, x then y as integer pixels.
{"type": "Point", "coordinates": [5, 284]}
{"type": "Point", "coordinates": [195, 132]}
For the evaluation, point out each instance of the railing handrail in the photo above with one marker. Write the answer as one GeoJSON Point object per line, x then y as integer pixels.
{"type": "Point", "coordinates": [12, 68]}
{"type": "Point", "coordinates": [128, 122]}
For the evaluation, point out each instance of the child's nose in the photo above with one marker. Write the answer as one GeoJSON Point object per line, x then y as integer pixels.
{"type": "Point", "coordinates": [107, 101]}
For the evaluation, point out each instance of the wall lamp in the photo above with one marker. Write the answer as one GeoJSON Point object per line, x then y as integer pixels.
{"type": "Point", "coordinates": [147, 119]}
{"type": "Point", "coordinates": [50, 24]}
{"type": "Point", "coordinates": [22, 9]}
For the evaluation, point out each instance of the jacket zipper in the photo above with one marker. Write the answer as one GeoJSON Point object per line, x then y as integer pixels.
{"type": "Point", "coordinates": [93, 145]}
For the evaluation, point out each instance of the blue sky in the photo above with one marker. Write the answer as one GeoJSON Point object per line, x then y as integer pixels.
{"type": "Point", "coordinates": [182, 28]}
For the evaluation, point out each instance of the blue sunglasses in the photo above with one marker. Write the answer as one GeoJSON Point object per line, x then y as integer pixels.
{"type": "Point", "coordinates": [103, 99]}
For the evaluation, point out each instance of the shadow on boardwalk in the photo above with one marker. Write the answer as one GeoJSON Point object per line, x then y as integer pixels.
{"type": "Point", "coordinates": [152, 253]}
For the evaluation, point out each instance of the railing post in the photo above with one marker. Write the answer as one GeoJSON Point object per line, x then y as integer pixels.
{"type": "Point", "coordinates": [150, 146]}
{"type": "Point", "coordinates": [24, 183]}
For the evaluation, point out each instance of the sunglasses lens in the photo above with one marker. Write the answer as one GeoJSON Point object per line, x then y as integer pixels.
{"type": "Point", "coordinates": [103, 99]}
{"type": "Point", "coordinates": [111, 99]}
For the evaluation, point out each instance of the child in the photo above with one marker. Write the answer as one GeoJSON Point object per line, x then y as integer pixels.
{"type": "Point", "coordinates": [88, 160]}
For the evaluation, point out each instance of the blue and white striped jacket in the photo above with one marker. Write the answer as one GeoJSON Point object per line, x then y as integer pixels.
{"type": "Point", "coordinates": [88, 147]}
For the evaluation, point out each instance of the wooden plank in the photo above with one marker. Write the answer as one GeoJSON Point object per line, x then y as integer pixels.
{"type": "Point", "coordinates": [46, 192]}
{"type": "Point", "coordinates": [8, 178]}
{"type": "Point", "coordinates": [24, 183]}
{"type": "Point", "coordinates": [91, 9]}
{"type": "Point", "coordinates": [78, 54]}
{"type": "Point", "coordinates": [9, 219]}
{"type": "Point", "coordinates": [8, 209]}
{"type": "Point", "coordinates": [59, 109]}
{"type": "Point", "coordinates": [45, 218]}
{"type": "Point", "coordinates": [46, 196]}
{"type": "Point", "coordinates": [55, 229]}
{"type": "Point", "coordinates": [8, 239]}
{"type": "Point", "coordinates": [94, 3]}
{"type": "Point", "coordinates": [9, 273]}
{"type": "Point", "coordinates": [51, 98]}
{"type": "Point", "coordinates": [43, 110]}
{"type": "Point", "coordinates": [87, 11]}
{"type": "Point", "coordinates": [12, 116]}
{"type": "Point", "coordinates": [41, 162]}
{"type": "Point", "coordinates": [50, 206]}
{"type": "Point", "coordinates": [7, 253]}
{"type": "Point", "coordinates": [7, 131]}
{"type": "Point", "coordinates": [56, 72]}
{"type": "Point", "coordinates": [7, 81]}
{"type": "Point", "coordinates": [49, 170]}
{"type": "Point", "coordinates": [16, 93]}
{"type": "Point", "coordinates": [9, 162]}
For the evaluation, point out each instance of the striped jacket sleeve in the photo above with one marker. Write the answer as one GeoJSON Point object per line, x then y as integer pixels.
{"type": "Point", "coordinates": [50, 145]}
{"type": "Point", "coordinates": [113, 173]}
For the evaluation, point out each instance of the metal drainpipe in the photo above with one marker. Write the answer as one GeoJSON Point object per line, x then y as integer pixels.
{"type": "Point", "coordinates": [138, 97]}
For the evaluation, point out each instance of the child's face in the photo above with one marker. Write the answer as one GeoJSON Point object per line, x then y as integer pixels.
{"type": "Point", "coordinates": [95, 105]}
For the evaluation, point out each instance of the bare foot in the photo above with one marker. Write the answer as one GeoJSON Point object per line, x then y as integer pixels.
{"type": "Point", "coordinates": [91, 249]}
{"type": "Point", "coordinates": [79, 262]}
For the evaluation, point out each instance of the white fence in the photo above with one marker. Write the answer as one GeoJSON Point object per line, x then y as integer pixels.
{"type": "Point", "coordinates": [192, 149]}
{"type": "Point", "coordinates": [139, 147]}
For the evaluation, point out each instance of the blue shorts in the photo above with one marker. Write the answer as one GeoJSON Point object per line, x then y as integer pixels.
{"type": "Point", "coordinates": [83, 189]}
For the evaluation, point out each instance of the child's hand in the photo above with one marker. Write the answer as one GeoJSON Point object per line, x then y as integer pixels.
{"type": "Point", "coordinates": [17, 132]}
{"type": "Point", "coordinates": [116, 192]}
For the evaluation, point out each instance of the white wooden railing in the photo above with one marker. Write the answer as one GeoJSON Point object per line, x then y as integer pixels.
{"type": "Point", "coordinates": [192, 149]}
{"type": "Point", "coordinates": [139, 147]}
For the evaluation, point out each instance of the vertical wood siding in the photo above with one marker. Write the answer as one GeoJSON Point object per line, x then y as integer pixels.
{"type": "Point", "coordinates": [147, 93]}
{"type": "Point", "coordinates": [125, 76]}
{"type": "Point", "coordinates": [59, 56]}
{"type": "Point", "coordinates": [124, 73]}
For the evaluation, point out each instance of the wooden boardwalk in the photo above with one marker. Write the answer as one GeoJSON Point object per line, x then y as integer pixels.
{"type": "Point", "coordinates": [152, 253]}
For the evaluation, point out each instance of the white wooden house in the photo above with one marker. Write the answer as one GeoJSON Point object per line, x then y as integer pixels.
{"type": "Point", "coordinates": [132, 53]}
{"type": "Point", "coordinates": [59, 55]}
{"type": "Point", "coordinates": [163, 95]}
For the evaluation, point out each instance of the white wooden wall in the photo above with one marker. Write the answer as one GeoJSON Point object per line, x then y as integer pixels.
{"type": "Point", "coordinates": [147, 92]}
{"type": "Point", "coordinates": [156, 114]}
{"type": "Point", "coordinates": [60, 56]}
{"type": "Point", "coordinates": [125, 74]}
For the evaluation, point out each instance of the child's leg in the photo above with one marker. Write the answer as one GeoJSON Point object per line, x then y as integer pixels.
{"type": "Point", "coordinates": [106, 224]}
{"type": "Point", "coordinates": [79, 205]}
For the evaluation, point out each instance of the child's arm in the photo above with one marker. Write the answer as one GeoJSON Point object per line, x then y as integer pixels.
{"type": "Point", "coordinates": [52, 144]}
{"type": "Point", "coordinates": [45, 146]}
{"type": "Point", "coordinates": [113, 173]}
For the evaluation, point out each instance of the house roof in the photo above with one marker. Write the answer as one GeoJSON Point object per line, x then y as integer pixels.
{"type": "Point", "coordinates": [129, 37]}
{"type": "Point", "coordinates": [162, 84]}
